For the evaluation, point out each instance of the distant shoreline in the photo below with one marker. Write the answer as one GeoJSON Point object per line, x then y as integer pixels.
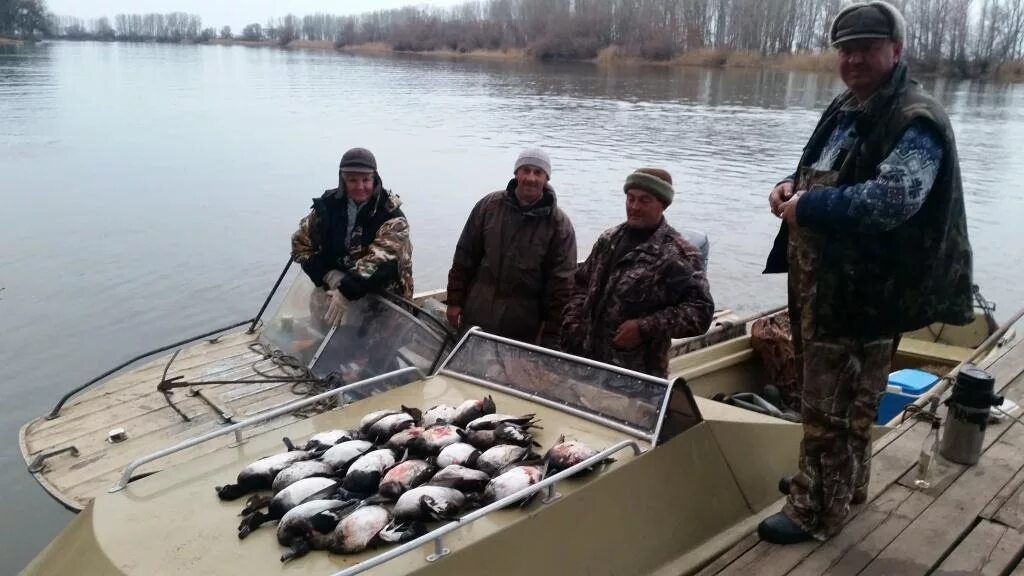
{"type": "Point", "coordinates": [824, 62]}
{"type": "Point", "coordinates": [7, 41]}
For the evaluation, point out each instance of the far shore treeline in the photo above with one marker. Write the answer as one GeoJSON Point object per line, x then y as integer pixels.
{"type": "Point", "coordinates": [957, 37]}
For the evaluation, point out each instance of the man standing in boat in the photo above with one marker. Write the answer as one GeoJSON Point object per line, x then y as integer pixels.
{"type": "Point", "coordinates": [513, 265]}
{"type": "Point", "coordinates": [641, 286]}
{"type": "Point", "coordinates": [874, 238]}
{"type": "Point", "coordinates": [355, 240]}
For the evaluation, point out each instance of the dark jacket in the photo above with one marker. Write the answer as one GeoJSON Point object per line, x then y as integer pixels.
{"type": "Point", "coordinates": [376, 256]}
{"type": "Point", "coordinates": [513, 266]}
{"type": "Point", "coordinates": [660, 282]}
{"type": "Point", "coordinates": [877, 284]}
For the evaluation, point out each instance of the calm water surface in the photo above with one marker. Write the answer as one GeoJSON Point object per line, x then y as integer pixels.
{"type": "Point", "coordinates": [148, 192]}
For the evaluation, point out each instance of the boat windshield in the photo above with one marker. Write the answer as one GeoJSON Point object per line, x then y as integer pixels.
{"type": "Point", "coordinates": [294, 330]}
{"type": "Point", "coordinates": [377, 336]}
{"type": "Point", "coordinates": [624, 397]}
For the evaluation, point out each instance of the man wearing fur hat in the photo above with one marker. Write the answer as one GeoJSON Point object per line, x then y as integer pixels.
{"type": "Point", "coordinates": [513, 265]}
{"type": "Point", "coordinates": [355, 240]}
{"type": "Point", "coordinates": [874, 238]}
{"type": "Point", "coordinates": [641, 286]}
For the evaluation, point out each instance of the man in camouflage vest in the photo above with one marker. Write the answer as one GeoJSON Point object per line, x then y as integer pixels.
{"type": "Point", "coordinates": [641, 286]}
{"type": "Point", "coordinates": [355, 240]}
{"type": "Point", "coordinates": [875, 242]}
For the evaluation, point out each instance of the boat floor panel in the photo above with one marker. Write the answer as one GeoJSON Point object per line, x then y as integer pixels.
{"type": "Point", "coordinates": [970, 520]}
{"type": "Point", "coordinates": [128, 401]}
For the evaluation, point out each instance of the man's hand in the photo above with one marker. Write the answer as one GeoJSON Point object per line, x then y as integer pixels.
{"type": "Point", "coordinates": [628, 335]}
{"type": "Point", "coordinates": [336, 306]}
{"type": "Point", "coordinates": [779, 196]}
{"type": "Point", "coordinates": [788, 210]}
{"type": "Point", "coordinates": [454, 315]}
{"type": "Point", "coordinates": [333, 279]}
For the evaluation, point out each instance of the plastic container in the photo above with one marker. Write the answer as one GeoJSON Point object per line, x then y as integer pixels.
{"type": "Point", "coordinates": [904, 387]}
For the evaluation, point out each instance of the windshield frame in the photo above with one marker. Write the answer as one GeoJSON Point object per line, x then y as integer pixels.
{"type": "Point", "coordinates": [651, 437]}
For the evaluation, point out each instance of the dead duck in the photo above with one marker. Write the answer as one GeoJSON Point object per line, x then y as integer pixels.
{"type": "Point", "coordinates": [364, 475]}
{"type": "Point", "coordinates": [342, 455]}
{"type": "Point", "coordinates": [372, 418]}
{"type": "Point", "coordinates": [260, 474]}
{"type": "Point", "coordinates": [426, 503]}
{"type": "Point", "coordinates": [491, 421]}
{"type": "Point", "coordinates": [355, 531]}
{"type": "Point", "coordinates": [513, 480]}
{"type": "Point", "coordinates": [472, 409]}
{"type": "Point", "coordinates": [498, 458]}
{"type": "Point", "coordinates": [460, 453]}
{"type": "Point", "coordinates": [568, 453]}
{"type": "Point", "coordinates": [299, 471]}
{"type": "Point", "coordinates": [439, 413]}
{"type": "Point", "coordinates": [405, 476]}
{"type": "Point", "coordinates": [435, 438]}
{"type": "Point", "coordinates": [295, 525]}
{"type": "Point", "coordinates": [322, 441]}
{"type": "Point", "coordinates": [285, 500]}
{"type": "Point", "coordinates": [465, 480]}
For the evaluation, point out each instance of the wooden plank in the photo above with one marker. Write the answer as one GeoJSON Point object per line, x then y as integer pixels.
{"type": "Point", "coordinates": [924, 542]}
{"type": "Point", "coordinates": [973, 553]}
{"type": "Point", "coordinates": [730, 555]}
{"type": "Point", "coordinates": [1011, 513]}
{"type": "Point", "coordinates": [143, 391]}
{"type": "Point", "coordinates": [879, 517]}
{"type": "Point", "coordinates": [944, 472]}
{"type": "Point", "coordinates": [766, 559]}
{"type": "Point", "coordinates": [1006, 554]}
{"type": "Point", "coordinates": [1011, 490]}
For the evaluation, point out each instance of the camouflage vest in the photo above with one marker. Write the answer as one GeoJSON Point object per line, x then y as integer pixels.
{"type": "Point", "coordinates": [879, 284]}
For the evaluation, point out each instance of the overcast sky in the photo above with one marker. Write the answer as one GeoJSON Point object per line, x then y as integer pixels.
{"type": "Point", "coordinates": [234, 13]}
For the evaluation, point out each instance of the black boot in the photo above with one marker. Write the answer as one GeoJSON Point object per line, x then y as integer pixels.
{"type": "Point", "coordinates": [779, 529]}
{"type": "Point", "coordinates": [784, 483]}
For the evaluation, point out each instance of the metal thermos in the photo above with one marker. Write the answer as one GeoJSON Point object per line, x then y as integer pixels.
{"type": "Point", "coordinates": [967, 416]}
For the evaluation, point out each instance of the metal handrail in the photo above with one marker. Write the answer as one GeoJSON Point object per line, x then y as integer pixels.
{"type": "Point", "coordinates": [436, 534]}
{"type": "Point", "coordinates": [236, 428]}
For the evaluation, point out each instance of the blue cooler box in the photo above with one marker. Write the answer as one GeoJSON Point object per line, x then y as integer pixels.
{"type": "Point", "coordinates": [904, 387]}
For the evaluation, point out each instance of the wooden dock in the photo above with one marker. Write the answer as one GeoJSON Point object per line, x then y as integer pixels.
{"type": "Point", "coordinates": [970, 521]}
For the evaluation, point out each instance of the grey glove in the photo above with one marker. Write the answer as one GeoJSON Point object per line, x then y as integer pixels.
{"type": "Point", "coordinates": [336, 307]}
{"type": "Point", "coordinates": [333, 279]}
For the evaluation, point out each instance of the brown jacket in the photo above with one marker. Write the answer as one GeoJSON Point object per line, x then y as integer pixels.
{"type": "Point", "coordinates": [513, 267]}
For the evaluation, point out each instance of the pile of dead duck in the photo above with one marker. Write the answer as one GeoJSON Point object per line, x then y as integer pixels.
{"type": "Point", "coordinates": [348, 490]}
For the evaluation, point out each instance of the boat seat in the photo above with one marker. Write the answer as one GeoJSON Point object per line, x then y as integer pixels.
{"type": "Point", "coordinates": [699, 241]}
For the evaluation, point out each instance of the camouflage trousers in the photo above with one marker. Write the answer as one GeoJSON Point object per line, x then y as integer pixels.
{"type": "Point", "coordinates": [843, 380]}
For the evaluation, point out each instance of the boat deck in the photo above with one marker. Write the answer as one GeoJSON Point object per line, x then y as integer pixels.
{"type": "Point", "coordinates": [970, 521]}
{"type": "Point", "coordinates": [130, 401]}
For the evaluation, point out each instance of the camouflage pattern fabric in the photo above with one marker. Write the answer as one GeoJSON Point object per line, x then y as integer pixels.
{"type": "Point", "coordinates": [364, 261]}
{"type": "Point", "coordinates": [660, 282]}
{"type": "Point", "coordinates": [842, 381]}
{"type": "Point", "coordinates": [771, 339]}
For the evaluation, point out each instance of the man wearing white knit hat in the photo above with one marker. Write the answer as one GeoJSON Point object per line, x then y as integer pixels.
{"type": "Point", "coordinates": [513, 265]}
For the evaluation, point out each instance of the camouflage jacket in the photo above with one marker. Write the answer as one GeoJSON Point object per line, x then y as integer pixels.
{"type": "Point", "coordinates": [376, 256]}
{"type": "Point", "coordinates": [660, 282]}
{"type": "Point", "coordinates": [513, 266]}
{"type": "Point", "coordinates": [875, 283]}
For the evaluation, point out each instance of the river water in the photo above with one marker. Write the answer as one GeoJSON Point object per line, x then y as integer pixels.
{"type": "Point", "coordinates": [148, 191]}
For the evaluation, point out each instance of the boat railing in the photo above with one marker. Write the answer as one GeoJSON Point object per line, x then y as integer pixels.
{"type": "Point", "coordinates": [436, 536]}
{"type": "Point", "coordinates": [650, 436]}
{"type": "Point", "coordinates": [236, 429]}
